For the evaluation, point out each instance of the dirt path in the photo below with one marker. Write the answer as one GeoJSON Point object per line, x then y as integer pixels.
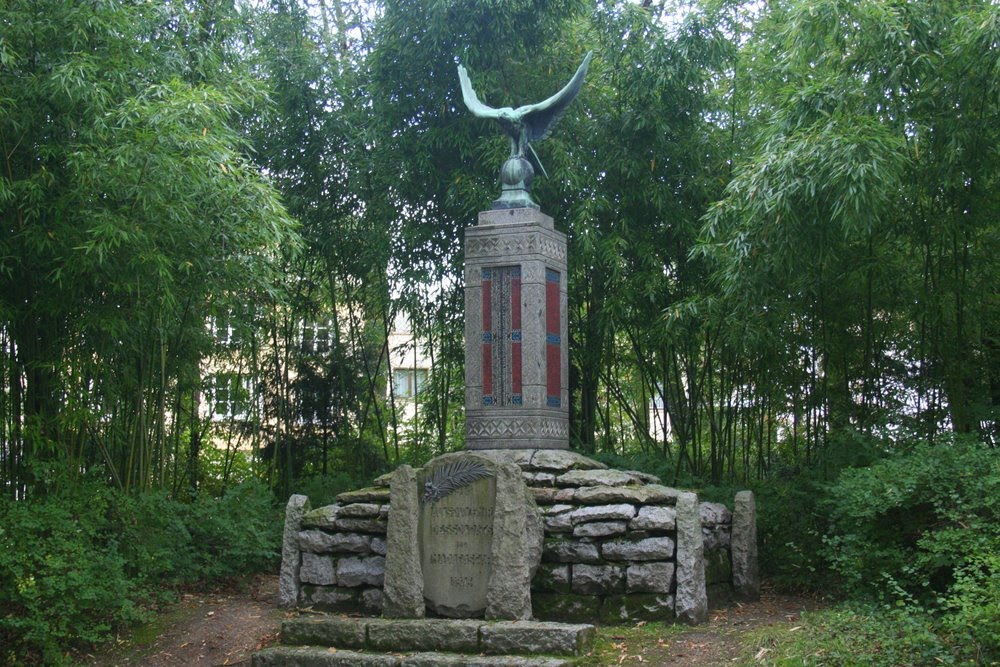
{"type": "Point", "coordinates": [205, 629]}
{"type": "Point", "coordinates": [226, 628]}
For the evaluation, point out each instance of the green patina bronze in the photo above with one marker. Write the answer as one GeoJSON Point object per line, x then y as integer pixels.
{"type": "Point", "coordinates": [532, 122]}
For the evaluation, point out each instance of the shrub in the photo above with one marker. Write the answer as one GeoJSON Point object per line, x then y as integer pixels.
{"type": "Point", "coordinates": [62, 577]}
{"type": "Point", "coordinates": [921, 530]}
{"type": "Point", "coordinates": [906, 526]}
{"type": "Point", "coordinates": [78, 563]}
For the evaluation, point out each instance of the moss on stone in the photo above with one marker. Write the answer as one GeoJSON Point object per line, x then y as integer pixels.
{"type": "Point", "coordinates": [566, 607]}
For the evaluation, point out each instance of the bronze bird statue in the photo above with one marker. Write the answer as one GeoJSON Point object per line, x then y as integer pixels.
{"type": "Point", "coordinates": [532, 122]}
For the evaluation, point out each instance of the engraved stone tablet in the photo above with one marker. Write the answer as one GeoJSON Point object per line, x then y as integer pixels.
{"type": "Point", "coordinates": [455, 533]}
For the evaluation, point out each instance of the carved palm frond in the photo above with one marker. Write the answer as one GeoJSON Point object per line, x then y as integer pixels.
{"type": "Point", "coordinates": [452, 476]}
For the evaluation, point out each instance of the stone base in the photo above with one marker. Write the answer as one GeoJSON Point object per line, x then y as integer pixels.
{"type": "Point", "coordinates": [431, 641]}
{"type": "Point", "coordinates": [618, 546]}
{"type": "Point", "coordinates": [318, 656]}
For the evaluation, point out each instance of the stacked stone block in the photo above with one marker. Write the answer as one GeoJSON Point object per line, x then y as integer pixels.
{"type": "Point", "coordinates": [618, 545]}
{"type": "Point", "coordinates": [342, 553]}
{"type": "Point", "coordinates": [610, 545]}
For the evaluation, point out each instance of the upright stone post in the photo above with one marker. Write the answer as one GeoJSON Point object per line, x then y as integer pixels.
{"type": "Point", "coordinates": [516, 358]}
{"type": "Point", "coordinates": [746, 577]}
{"type": "Point", "coordinates": [403, 590]}
{"type": "Point", "coordinates": [691, 598]}
{"type": "Point", "coordinates": [288, 579]}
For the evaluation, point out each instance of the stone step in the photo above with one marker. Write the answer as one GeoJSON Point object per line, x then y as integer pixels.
{"type": "Point", "coordinates": [318, 656]}
{"type": "Point", "coordinates": [438, 634]}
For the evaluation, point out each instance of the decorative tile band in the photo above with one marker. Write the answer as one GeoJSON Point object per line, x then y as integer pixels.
{"type": "Point", "coordinates": [502, 336]}
{"type": "Point", "coordinates": [553, 343]}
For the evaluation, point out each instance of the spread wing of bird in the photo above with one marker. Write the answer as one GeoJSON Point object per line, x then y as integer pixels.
{"type": "Point", "coordinates": [471, 99]}
{"type": "Point", "coordinates": [539, 118]}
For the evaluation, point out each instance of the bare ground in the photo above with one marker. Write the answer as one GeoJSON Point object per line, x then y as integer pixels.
{"type": "Point", "coordinates": [207, 629]}
{"type": "Point", "coordinates": [225, 628]}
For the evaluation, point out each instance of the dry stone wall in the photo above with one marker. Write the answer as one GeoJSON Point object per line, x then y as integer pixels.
{"type": "Point", "coordinates": [618, 546]}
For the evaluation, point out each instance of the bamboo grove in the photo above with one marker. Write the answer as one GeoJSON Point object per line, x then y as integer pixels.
{"type": "Point", "coordinates": [782, 218]}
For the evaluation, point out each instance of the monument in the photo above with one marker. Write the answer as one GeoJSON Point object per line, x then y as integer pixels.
{"type": "Point", "coordinates": [516, 353]}
{"type": "Point", "coordinates": [458, 557]}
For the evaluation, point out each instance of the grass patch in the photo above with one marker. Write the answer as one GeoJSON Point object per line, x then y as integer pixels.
{"type": "Point", "coordinates": [851, 636]}
{"type": "Point", "coordinates": [614, 641]}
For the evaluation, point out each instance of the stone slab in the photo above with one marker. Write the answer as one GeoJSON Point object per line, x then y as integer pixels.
{"type": "Point", "coordinates": [318, 569]}
{"type": "Point", "coordinates": [551, 578]}
{"type": "Point", "coordinates": [649, 548]}
{"type": "Point", "coordinates": [649, 494]}
{"type": "Point", "coordinates": [371, 600]}
{"type": "Point", "coordinates": [714, 514]}
{"type": "Point", "coordinates": [424, 635]}
{"type": "Point", "coordinates": [452, 660]}
{"type": "Point", "coordinates": [328, 597]}
{"type": "Point", "coordinates": [519, 457]}
{"type": "Point", "coordinates": [569, 551]}
{"type": "Point", "coordinates": [653, 517]}
{"type": "Point", "coordinates": [600, 529]}
{"type": "Point", "coordinates": [619, 512]}
{"type": "Point", "coordinates": [560, 460]}
{"type": "Point", "coordinates": [531, 637]}
{"type": "Point", "coordinates": [319, 542]}
{"type": "Point", "coordinates": [353, 571]}
{"type": "Point", "coordinates": [598, 579]}
{"type": "Point", "coordinates": [608, 477]}
{"type": "Point", "coordinates": [359, 510]}
{"type": "Point", "coordinates": [372, 494]}
{"type": "Point", "coordinates": [324, 631]}
{"type": "Point", "coordinates": [321, 517]}
{"type": "Point", "coordinates": [650, 577]}
{"type": "Point", "coordinates": [456, 532]}
{"type": "Point", "coordinates": [312, 656]}
{"type": "Point", "coordinates": [516, 548]}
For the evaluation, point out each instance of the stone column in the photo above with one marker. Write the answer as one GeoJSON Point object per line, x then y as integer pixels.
{"type": "Point", "coordinates": [516, 336]}
{"type": "Point", "coordinates": [403, 590]}
{"type": "Point", "coordinates": [288, 580]}
{"type": "Point", "coordinates": [746, 578]}
{"type": "Point", "coordinates": [691, 598]}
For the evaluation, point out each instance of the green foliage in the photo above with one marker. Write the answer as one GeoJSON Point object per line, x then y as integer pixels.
{"type": "Point", "coordinates": [905, 526]}
{"type": "Point", "coordinates": [791, 524]}
{"type": "Point", "coordinates": [855, 637]}
{"type": "Point", "coordinates": [78, 565]}
{"type": "Point", "coordinates": [62, 574]}
{"type": "Point", "coordinates": [921, 530]}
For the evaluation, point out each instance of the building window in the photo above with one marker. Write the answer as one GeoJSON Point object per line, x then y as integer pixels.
{"type": "Point", "coordinates": [408, 382]}
{"type": "Point", "coordinates": [229, 396]}
{"type": "Point", "coordinates": [316, 337]}
{"type": "Point", "coordinates": [224, 330]}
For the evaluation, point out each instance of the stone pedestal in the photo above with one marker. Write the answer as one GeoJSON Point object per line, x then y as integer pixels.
{"type": "Point", "coordinates": [516, 357]}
